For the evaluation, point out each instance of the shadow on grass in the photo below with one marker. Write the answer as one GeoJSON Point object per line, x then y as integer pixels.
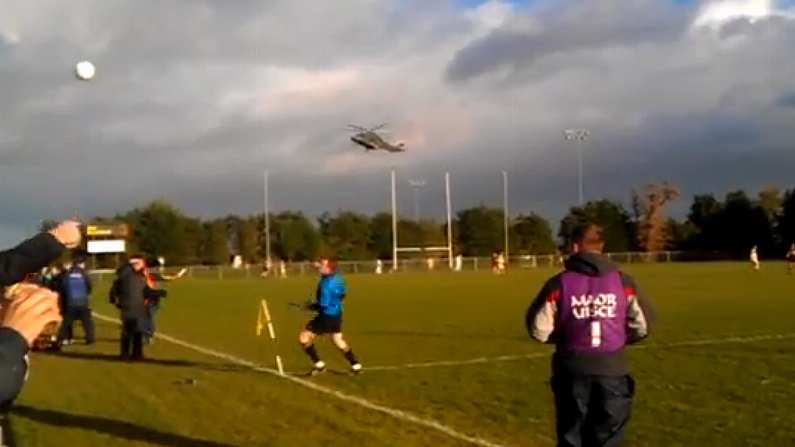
{"type": "Point", "coordinates": [103, 357]}
{"type": "Point", "coordinates": [421, 334]}
{"type": "Point", "coordinates": [111, 427]}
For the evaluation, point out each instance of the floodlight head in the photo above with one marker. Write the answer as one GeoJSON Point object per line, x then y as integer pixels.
{"type": "Point", "coordinates": [417, 183]}
{"type": "Point", "coordinates": [576, 134]}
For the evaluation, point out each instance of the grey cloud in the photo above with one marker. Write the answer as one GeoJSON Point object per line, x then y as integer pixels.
{"type": "Point", "coordinates": [193, 100]}
{"type": "Point", "coordinates": [566, 29]}
{"type": "Point", "coordinates": [787, 100]}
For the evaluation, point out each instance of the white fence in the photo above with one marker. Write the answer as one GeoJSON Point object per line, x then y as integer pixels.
{"type": "Point", "coordinates": [404, 265]}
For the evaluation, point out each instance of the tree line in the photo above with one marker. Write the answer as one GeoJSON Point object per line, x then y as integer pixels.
{"type": "Point", "coordinates": [727, 227]}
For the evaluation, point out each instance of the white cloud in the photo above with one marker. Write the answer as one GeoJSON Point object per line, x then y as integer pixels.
{"type": "Point", "coordinates": [715, 13]}
{"type": "Point", "coordinates": [490, 15]}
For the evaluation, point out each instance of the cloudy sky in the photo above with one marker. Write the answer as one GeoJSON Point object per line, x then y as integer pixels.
{"type": "Point", "coordinates": [193, 99]}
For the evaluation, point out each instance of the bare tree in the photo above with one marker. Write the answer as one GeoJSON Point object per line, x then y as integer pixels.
{"type": "Point", "coordinates": [650, 211]}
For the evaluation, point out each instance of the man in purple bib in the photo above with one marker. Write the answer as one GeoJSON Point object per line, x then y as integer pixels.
{"type": "Point", "coordinates": [590, 312]}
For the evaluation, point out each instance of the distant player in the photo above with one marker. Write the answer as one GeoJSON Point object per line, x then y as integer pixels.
{"type": "Point", "coordinates": [499, 263]}
{"type": "Point", "coordinates": [379, 267]}
{"type": "Point", "coordinates": [328, 321]}
{"type": "Point", "coordinates": [459, 263]}
{"type": "Point", "coordinates": [267, 267]}
{"type": "Point", "coordinates": [755, 259]}
{"type": "Point", "coordinates": [791, 259]}
{"type": "Point", "coordinates": [590, 312]}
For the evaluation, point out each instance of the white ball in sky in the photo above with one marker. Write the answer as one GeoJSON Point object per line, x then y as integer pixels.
{"type": "Point", "coordinates": [85, 70]}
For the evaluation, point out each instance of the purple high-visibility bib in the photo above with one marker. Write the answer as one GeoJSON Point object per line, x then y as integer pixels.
{"type": "Point", "coordinates": [592, 313]}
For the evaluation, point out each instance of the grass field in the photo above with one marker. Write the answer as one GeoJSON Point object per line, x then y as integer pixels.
{"type": "Point", "coordinates": [719, 369]}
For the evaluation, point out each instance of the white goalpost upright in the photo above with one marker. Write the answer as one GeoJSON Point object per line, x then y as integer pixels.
{"type": "Point", "coordinates": [396, 248]}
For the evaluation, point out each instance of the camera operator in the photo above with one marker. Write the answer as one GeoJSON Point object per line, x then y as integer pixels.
{"type": "Point", "coordinates": [27, 308]}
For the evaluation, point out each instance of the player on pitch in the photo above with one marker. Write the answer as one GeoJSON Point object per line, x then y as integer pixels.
{"type": "Point", "coordinates": [590, 312]}
{"type": "Point", "coordinates": [328, 321]}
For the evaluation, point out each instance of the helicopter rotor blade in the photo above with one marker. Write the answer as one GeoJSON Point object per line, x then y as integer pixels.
{"type": "Point", "coordinates": [356, 128]}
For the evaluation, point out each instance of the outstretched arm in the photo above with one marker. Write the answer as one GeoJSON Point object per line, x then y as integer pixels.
{"type": "Point", "coordinates": [640, 313]}
{"type": "Point", "coordinates": [28, 257]}
{"type": "Point", "coordinates": [540, 317]}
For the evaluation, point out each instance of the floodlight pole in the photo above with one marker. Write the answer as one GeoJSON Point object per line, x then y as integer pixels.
{"type": "Point", "coordinates": [449, 220]}
{"type": "Point", "coordinates": [578, 136]}
{"type": "Point", "coordinates": [267, 219]}
{"type": "Point", "coordinates": [394, 223]}
{"type": "Point", "coordinates": [506, 215]}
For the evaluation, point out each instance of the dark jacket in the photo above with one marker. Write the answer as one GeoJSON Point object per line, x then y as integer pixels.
{"type": "Point", "coordinates": [128, 292]}
{"type": "Point", "coordinates": [28, 257]}
{"type": "Point", "coordinates": [15, 264]}
{"type": "Point", "coordinates": [542, 319]}
{"type": "Point", "coordinates": [61, 284]}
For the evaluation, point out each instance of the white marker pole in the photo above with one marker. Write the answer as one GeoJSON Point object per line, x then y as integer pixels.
{"type": "Point", "coordinates": [272, 333]}
{"type": "Point", "coordinates": [506, 216]}
{"type": "Point", "coordinates": [394, 222]}
{"type": "Point", "coordinates": [266, 206]}
{"type": "Point", "coordinates": [449, 219]}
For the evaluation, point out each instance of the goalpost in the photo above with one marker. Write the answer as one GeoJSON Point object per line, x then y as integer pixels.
{"type": "Point", "coordinates": [396, 248]}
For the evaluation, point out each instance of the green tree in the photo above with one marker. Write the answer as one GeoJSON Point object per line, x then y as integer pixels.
{"type": "Point", "coordinates": [705, 214]}
{"type": "Point", "coordinates": [380, 241]}
{"type": "Point", "coordinates": [786, 220]}
{"type": "Point", "coordinates": [680, 234]}
{"type": "Point", "coordinates": [158, 229]}
{"type": "Point", "coordinates": [215, 244]}
{"type": "Point", "coordinates": [424, 233]}
{"type": "Point", "coordinates": [531, 234]}
{"type": "Point", "coordinates": [243, 237]}
{"type": "Point", "coordinates": [611, 216]}
{"type": "Point", "coordinates": [771, 201]}
{"type": "Point", "coordinates": [479, 231]}
{"type": "Point", "coordinates": [346, 235]}
{"type": "Point", "coordinates": [294, 237]}
{"type": "Point", "coordinates": [248, 237]}
{"type": "Point", "coordinates": [744, 224]}
{"type": "Point", "coordinates": [193, 237]}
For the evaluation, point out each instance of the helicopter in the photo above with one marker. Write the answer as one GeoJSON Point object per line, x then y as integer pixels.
{"type": "Point", "coordinates": [371, 141]}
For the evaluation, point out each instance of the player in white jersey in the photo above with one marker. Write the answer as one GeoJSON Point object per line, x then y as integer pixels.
{"type": "Point", "coordinates": [755, 259]}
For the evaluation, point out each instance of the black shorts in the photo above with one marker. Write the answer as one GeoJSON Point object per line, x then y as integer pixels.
{"type": "Point", "coordinates": [324, 324]}
{"type": "Point", "coordinates": [791, 259]}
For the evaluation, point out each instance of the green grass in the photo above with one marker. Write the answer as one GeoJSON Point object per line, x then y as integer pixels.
{"type": "Point", "coordinates": [726, 394]}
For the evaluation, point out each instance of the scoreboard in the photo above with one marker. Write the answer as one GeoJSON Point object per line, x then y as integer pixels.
{"type": "Point", "coordinates": [117, 230]}
{"type": "Point", "coordinates": [107, 238]}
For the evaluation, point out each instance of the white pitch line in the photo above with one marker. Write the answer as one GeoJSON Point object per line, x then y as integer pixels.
{"type": "Point", "coordinates": [475, 361]}
{"type": "Point", "coordinates": [395, 413]}
{"type": "Point", "coordinates": [515, 357]}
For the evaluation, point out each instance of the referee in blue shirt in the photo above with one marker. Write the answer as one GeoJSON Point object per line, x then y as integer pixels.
{"type": "Point", "coordinates": [328, 321]}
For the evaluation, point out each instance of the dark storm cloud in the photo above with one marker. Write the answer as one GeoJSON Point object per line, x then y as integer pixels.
{"type": "Point", "coordinates": [193, 99]}
{"type": "Point", "coordinates": [568, 28]}
{"type": "Point", "coordinates": [787, 100]}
